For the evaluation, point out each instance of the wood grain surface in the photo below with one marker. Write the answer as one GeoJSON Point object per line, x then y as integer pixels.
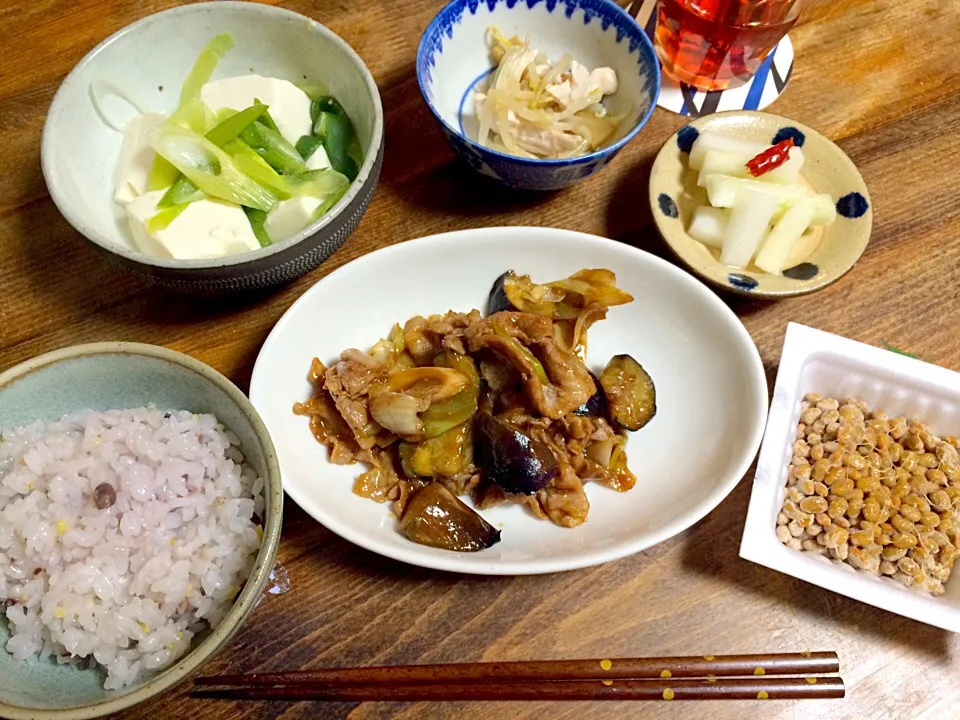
{"type": "Point", "coordinates": [881, 77]}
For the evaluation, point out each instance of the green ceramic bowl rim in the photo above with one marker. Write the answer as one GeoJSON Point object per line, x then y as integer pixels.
{"type": "Point", "coordinates": [254, 586]}
{"type": "Point", "coordinates": [670, 149]}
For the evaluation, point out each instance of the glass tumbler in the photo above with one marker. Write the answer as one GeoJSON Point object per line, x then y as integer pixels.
{"type": "Point", "coordinates": [718, 44]}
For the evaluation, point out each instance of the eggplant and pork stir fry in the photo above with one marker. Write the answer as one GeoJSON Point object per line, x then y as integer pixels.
{"type": "Point", "coordinates": [499, 407]}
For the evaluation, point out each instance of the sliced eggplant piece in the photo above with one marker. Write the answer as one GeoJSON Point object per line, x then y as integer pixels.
{"type": "Point", "coordinates": [630, 393]}
{"type": "Point", "coordinates": [498, 300]}
{"type": "Point", "coordinates": [514, 461]}
{"type": "Point", "coordinates": [518, 293]}
{"type": "Point", "coordinates": [436, 517]}
{"type": "Point", "coordinates": [563, 299]}
{"type": "Point", "coordinates": [597, 405]}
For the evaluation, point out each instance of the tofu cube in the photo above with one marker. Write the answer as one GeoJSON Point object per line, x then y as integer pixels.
{"type": "Point", "coordinates": [289, 105]}
{"type": "Point", "coordinates": [206, 229]}
{"type": "Point", "coordinates": [132, 178]}
{"type": "Point", "coordinates": [290, 217]}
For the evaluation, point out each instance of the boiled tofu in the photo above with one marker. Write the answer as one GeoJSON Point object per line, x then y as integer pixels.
{"type": "Point", "coordinates": [290, 217]}
{"type": "Point", "coordinates": [136, 158]}
{"type": "Point", "coordinates": [289, 105]}
{"type": "Point", "coordinates": [139, 210]}
{"type": "Point", "coordinates": [319, 160]}
{"type": "Point", "coordinates": [206, 229]}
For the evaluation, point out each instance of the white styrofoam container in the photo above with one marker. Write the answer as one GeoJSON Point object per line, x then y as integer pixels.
{"type": "Point", "coordinates": [814, 361]}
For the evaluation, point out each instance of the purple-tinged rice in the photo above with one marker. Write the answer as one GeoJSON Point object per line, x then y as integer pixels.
{"type": "Point", "coordinates": [130, 585]}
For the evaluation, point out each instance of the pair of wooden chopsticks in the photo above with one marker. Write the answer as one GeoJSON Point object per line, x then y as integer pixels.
{"type": "Point", "coordinates": [707, 677]}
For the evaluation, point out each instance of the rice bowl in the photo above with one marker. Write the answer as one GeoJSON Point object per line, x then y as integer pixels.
{"type": "Point", "coordinates": [97, 378]}
{"type": "Point", "coordinates": [126, 584]}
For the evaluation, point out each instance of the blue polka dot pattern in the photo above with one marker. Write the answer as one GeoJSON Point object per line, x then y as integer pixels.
{"type": "Point", "coordinates": [667, 206]}
{"type": "Point", "coordinates": [742, 282]}
{"type": "Point", "coordinates": [790, 132]}
{"type": "Point", "coordinates": [686, 137]}
{"type": "Point", "coordinates": [803, 271]}
{"type": "Point", "coordinates": [852, 205]}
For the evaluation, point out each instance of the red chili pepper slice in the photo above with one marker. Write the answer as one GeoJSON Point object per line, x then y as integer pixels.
{"type": "Point", "coordinates": [770, 158]}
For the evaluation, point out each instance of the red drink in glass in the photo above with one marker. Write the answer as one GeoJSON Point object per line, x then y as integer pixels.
{"type": "Point", "coordinates": [716, 44]}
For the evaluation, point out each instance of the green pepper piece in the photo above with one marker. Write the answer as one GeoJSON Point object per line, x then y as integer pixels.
{"type": "Point", "coordinates": [325, 104]}
{"type": "Point", "coordinates": [271, 146]}
{"type": "Point", "coordinates": [336, 132]}
{"type": "Point", "coordinates": [257, 219]}
{"type": "Point", "coordinates": [307, 145]}
{"type": "Point", "coordinates": [350, 168]}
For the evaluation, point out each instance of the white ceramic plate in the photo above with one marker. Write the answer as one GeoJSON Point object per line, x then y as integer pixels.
{"type": "Point", "coordinates": [711, 392]}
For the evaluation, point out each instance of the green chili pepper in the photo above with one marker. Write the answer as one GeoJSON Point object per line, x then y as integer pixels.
{"type": "Point", "coordinates": [307, 145]}
{"type": "Point", "coordinates": [336, 132]}
{"type": "Point", "coordinates": [257, 219]}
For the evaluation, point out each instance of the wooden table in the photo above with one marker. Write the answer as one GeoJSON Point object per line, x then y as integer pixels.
{"type": "Point", "coordinates": [878, 76]}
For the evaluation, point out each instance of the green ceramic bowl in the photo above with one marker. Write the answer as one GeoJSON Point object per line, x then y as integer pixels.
{"type": "Point", "coordinates": [822, 256]}
{"type": "Point", "coordinates": [118, 375]}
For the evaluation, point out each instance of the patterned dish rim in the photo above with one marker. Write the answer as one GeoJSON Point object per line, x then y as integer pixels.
{"type": "Point", "coordinates": [855, 205]}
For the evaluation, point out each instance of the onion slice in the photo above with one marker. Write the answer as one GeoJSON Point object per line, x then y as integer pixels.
{"type": "Point", "coordinates": [100, 89]}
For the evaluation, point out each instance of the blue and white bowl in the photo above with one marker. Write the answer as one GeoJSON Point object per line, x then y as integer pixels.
{"type": "Point", "coordinates": [454, 58]}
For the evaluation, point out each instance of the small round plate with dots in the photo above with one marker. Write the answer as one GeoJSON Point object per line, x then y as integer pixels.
{"type": "Point", "coordinates": [822, 256]}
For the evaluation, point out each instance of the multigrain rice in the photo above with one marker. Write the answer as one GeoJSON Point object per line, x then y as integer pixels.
{"type": "Point", "coordinates": [127, 586]}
